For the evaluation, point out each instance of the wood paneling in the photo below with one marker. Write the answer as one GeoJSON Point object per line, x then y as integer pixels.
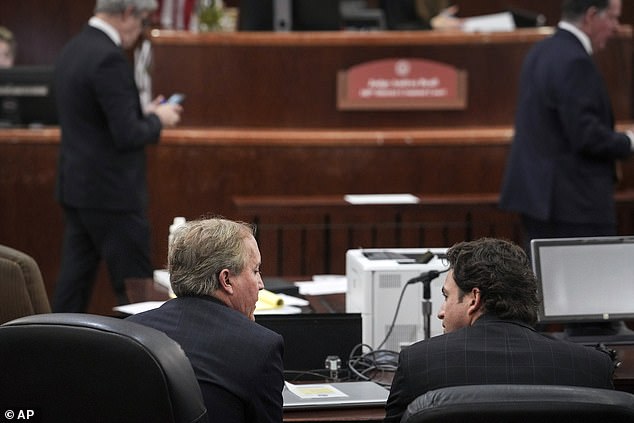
{"type": "Point", "coordinates": [197, 172]}
{"type": "Point", "coordinates": [260, 121]}
{"type": "Point", "coordinates": [288, 80]}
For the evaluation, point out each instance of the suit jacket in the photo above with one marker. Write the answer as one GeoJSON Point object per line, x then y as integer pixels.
{"type": "Point", "coordinates": [493, 351]}
{"type": "Point", "coordinates": [102, 161]}
{"type": "Point", "coordinates": [562, 159]}
{"type": "Point", "coordinates": [237, 362]}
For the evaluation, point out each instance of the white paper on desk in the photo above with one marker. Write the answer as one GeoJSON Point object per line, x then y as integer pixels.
{"type": "Point", "coordinates": [335, 285]}
{"type": "Point", "coordinates": [285, 309]}
{"type": "Point", "coordinates": [315, 390]}
{"type": "Point", "coordinates": [360, 199]}
{"type": "Point", "coordinates": [138, 307]}
{"type": "Point", "coordinates": [495, 22]}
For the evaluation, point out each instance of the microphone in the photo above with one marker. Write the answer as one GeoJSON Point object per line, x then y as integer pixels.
{"type": "Point", "coordinates": [425, 277]}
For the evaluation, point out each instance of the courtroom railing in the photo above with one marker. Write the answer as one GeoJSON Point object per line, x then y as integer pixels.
{"type": "Point", "coordinates": [307, 235]}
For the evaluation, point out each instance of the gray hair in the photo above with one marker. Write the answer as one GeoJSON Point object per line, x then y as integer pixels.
{"type": "Point", "coordinates": [118, 6]}
{"type": "Point", "coordinates": [201, 249]}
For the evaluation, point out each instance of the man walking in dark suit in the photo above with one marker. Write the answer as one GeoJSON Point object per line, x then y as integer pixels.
{"type": "Point", "coordinates": [489, 309]}
{"type": "Point", "coordinates": [214, 267]}
{"type": "Point", "coordinates": [101, 179]}
{"type": "Point", "coordinates": [560, 175]}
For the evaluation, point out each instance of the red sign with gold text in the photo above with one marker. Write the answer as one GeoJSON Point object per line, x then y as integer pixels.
{"type": "Point", "coordinates": [401, 83]}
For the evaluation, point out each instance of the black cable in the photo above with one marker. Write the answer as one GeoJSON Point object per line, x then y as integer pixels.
{"type": "Point", "coordinates": [372, 365]}
{"type": "Point", "coordinates": [425, 277]}
{"type": "Point", "coordinates": [398, 306]}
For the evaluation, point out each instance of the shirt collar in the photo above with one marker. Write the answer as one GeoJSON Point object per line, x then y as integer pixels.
{"type": "Point", "coordinates": [108, 29]}
{"type": "Point", "coordinates": [491, 318]}
{"type": "Point", "coordinates": [581, 36]}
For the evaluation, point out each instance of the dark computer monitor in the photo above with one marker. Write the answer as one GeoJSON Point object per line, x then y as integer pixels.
{"type": "Point", "coordinates": [310, 338]}
{"type": "Point", "coordinates": [27, 97]}
{"type": "Point", "coordinates": [401, 15]}
{"type": "Point", "coordinates": [311, 15]}
{"type": "Point", "coordinates": [586, 284]}
{"type": "Point", "coordinates": [305, 15]}
{"type": "Point", "coordinates": [255, 15]}
{"type": "Point", "coordinates": [527, 18]}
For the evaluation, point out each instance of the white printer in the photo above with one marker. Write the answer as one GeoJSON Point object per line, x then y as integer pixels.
{"type": "Point", "coordinates": [376, 278]}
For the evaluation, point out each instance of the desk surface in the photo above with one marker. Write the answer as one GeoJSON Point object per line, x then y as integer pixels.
{"type": "Point", "coordinates": [366, 414]}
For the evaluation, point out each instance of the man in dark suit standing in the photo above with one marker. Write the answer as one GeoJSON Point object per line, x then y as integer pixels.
{"type": "Point", "coordinates": [101, 179]}
{"type": "Point", "coordinates": [214, 267]}
{"type": "Point", "coordinates": [489, 309]}
{"type": "Point", "coordinates": [561, 171]}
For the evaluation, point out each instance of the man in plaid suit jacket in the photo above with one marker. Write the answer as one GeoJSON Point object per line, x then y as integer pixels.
{"type": "Point", "coordinates": [488, 315]}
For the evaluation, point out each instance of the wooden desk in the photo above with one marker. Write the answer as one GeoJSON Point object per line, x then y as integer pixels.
{"type": "Point", "coordinates": [288, 80]}
{"type": "Point", "coordinates": [361, 414]}
{"type": "Point", "coordinates": [623, 381]}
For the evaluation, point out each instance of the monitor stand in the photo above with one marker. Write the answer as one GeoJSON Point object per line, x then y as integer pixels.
{"type": "Point", "coordinates": [609, 333]}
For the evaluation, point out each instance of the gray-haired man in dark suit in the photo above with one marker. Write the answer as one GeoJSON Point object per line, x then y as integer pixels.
{"type": "Point", "coordinates": [101, 177]}
{"type": "Point", "coordinates": [560, 175]}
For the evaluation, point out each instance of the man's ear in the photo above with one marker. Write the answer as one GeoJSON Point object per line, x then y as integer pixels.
{"type": "Point", "coordinates": [590, 14]}
{"type": "Point", "coordinates": [475, 301]}
{"type": "Point", "coordinates": [225, 282]}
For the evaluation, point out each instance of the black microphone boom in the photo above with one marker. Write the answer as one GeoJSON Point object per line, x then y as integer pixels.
{"type": "Point", "coordinates": [424, 277]}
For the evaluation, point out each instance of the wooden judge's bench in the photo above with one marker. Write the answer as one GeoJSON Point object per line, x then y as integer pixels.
{"type": "Point", "coordinates": [271, 100]}
{"type": "Point", "coordinates": [262, 140]}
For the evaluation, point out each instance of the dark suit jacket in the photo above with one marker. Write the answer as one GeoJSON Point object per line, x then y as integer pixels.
{"type": "Point", "coordinates": [102, 160]}
{"type": "Point", "coordinates": [237, 362]}
{"type": "Point", "coordinates": [493, 351]}
{"type": "Point", "coordinates": [562, 159]}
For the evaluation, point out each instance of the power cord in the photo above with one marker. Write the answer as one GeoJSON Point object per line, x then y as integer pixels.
{"type": "Point", "coordinates": [373, 365]}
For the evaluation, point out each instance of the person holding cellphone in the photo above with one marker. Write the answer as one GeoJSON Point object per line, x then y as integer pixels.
{"type": "Point", "coordinates": [101, 176]}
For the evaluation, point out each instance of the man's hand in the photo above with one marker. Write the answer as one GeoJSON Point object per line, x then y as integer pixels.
{"type": "Point", "coordinates": [169, 114]}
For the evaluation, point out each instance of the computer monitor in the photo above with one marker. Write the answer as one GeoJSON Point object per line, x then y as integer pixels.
{"type": "Point", "coordinates": [311, 15]}
{"type": "Point", "coordinates": [587, 284]}
{"type": "Point", "coordinates": [295, 15]}
{"type": "Point", "coordinates": [309, 338]}
{"type": "Point", "coordinates": [26, 96]}
{"type": "Point", "coordinates": [527, 18]}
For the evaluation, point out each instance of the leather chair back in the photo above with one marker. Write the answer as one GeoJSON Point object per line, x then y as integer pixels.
{"type": "Point", "coordinates": [87, 368]}
{"type": "Point", "coordinates": [22, 290]}
{"type": "Point", "coordinates": [521, 403]}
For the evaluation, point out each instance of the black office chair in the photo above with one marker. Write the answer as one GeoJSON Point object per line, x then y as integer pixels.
{"type": "Point", "coordinates": [86, 368]}
{"type": "Point", "coordinates": [521, 404]}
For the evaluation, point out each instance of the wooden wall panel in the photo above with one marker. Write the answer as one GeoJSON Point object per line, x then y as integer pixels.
{"type": "Point", "coordinates": [288, 80]}
{"type": "Point", "coordinates": [202, 172]}
{"type": "Point", "coordinates": [231, 82]}
{"type": "Point", "coordinates": [42, 27]}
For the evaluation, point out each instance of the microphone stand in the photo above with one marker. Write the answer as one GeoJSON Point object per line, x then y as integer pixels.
{"type": "Point", "coordinates": [426, 279]}
{"type": "Point", "coordinates": [426, 304]}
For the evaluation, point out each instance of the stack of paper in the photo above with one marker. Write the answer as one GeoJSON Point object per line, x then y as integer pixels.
{"type": "Point", "coordinates": [272, 303]}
